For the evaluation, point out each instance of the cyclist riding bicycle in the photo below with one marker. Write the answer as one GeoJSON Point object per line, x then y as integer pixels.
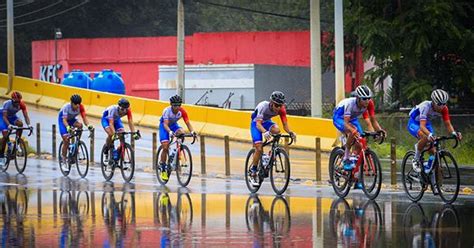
{"type": "Point", "coordinates": [10, 119]}
{"type": "Point", "coordinates": [112, 123]}
{"type": "Point", "coordinates": [67, 119]}
{"type": "Point", "coordinates": [169, 126]}
{"type": "Point", "coordinates": [419, 124]}
{"type": "Point", "coordinates": [262, 124]}
{"type": "Point", "coordinates": [345, 119]}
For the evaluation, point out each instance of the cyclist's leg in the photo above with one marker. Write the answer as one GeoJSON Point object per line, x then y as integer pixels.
{"type": "Point", "coordinates": [105, 124]}
{"type": "Point", "coordinates": [64, 135]}
{"type": "Point", "coordinates": [17, 122]}
{"type": "Point", "coordinates": [355, 123]}
{"type": "Point", "coordinates": [165, 139]}
{"type": "Point", "coordinates": [3, 142]}
{"type": "Point", "coordinates": [338, 122]}
{"type": "Point", "coordinates": [257, 139]}
{"type": "Point", "coordinates": [77, 124]}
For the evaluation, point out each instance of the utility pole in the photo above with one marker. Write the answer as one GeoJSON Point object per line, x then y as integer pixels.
{"type": "Point", "coordinates": [10, 45]}
{"type": "Point", "coordinates": [339, 49]}
{"type": "Point", "coordinates": [316, 85]}
{"type": "Point", "coordinates": [180, 52]}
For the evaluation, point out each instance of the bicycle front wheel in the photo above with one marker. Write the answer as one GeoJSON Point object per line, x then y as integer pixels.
{"type": "Point", "coordinates": [82, 159]}
{"type": "Point", "coordinates": [184, 166]}
{"type": "Point", "coordinates": [447, 177]}
{"type": "Point", "coordinates": [64, 164]}
{"type": "Point", "coordinates": [371, 175]}
{"type": "Point", "coordinates": [280, 217]}
{"type": "Point", "coordinates": [184, 208]}
{"type": "Point", "coordinates": [412, 183]}
{"type": "Point", "coordinates": [21, 155]}
{"type": "Point", "coordinates": [280, 171]}
{"type": "Point", "coordinates": [127, 163]}
{"type": "Point", "coordinates": [340, 179]}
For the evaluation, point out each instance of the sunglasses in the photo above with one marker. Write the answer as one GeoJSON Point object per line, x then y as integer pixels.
{"type": "Point", "coordinates": [441, 104]}
{"type": "Point", "coordinates": [365, 98]}
{"type": "Point", "coordinates": [277, 105]}
{"type": "Point", "coordinates": [122, 109]}
{"type": "Point", "coordinates": [175, 105]}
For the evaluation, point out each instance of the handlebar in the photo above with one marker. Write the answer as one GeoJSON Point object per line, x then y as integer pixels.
{"type": "Point", "coordinates": [374, 135]}
{"type": "Point", "coordinates": [442, 138]}
{"type": "Point", "coordinates": [16, 128]}
{"type": "Point", "coordinates": [184, 135]}
{"type": "Point", "coordinates": [277, 137]}
{"type": "Point", "coordinates": [127, 133]}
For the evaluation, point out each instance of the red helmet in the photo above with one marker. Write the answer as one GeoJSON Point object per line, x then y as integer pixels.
{"type": "Point", "coordinates": [16, 96]}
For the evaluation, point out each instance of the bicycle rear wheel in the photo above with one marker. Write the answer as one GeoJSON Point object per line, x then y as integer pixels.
{"type": "Point", "coordinates": [412, 182]}
{"type": "Point", "coordinates": [21, 155]}
{"type": "Point", "coordinates": [159, 170]}
{"type": "Point", "coordinates": [82, 159]}
{"type": "Point", "coordinates": [184, 166]}
{"type": "Point", "coordinates": [280, 171]}
{"type": "Point", "coordinates": [447, 177]}
{"type": "Point", "coordinates": [106, 162]}
{"type": "Point", "coordinates": [64, 167]}
{"type": "Point", "coordinates": [340, 179]}
{"type": "Point", "coordinates": [371, 175]}
{"type": "Point", "coordinates": [248, 163]}
{"type": "Point", "coordinates": [127, 163]}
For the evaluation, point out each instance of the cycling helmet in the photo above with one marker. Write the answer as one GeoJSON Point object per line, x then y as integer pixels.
{"type": "Point", "coordinates": [76, 99]}
{"type": "Point", "coordinates": [278, 97]}
{"type": "Point", "coordinates": [362, 91]}
{"type": "Point", "coordinates": [16, 96]}
{"type": "Point", "coordinates": [439, 97]}
{"type": "Point", "coordinates": [176, 100]}
{"type": "Point", "coordinates": [124, 103]}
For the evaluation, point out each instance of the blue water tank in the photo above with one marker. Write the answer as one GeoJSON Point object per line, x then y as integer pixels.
{"type": "Point", "coordinates": [77, 78]}
{"type": "Point", "coordinates": [108, 81]}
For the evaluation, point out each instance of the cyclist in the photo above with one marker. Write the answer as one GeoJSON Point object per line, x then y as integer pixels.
{"type": "Point", "coordinates": [345, 119]}
{"type": "Point", "coordinates": [67, 119]}
{"type": "Point", "coordinates": [112, 123]}
{"type": "Point", "coordinates": [262, 124]}
{"type": "Point", "coordinates": [10, 119]}
{"type": "Point", "coordinates": [169, 127]}
{"type": "Point", "coordinates": [419, 124]}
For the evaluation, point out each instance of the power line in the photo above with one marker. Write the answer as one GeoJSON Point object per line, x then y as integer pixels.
{"type": "Point", "coordinates": [50, 16]}
{"type": "Point", "coordinates": [36, 11]}
{"type": "Point", "coordinates": [18, 4]}
{"type": "Point", "coordinates": [253, 11]}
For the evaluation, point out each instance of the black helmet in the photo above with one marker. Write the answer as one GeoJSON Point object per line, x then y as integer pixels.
{"type": "Point", "coordinates": [363, 91]}
{"type": "Point", "coordinates": [124, 103]}
{"type": "Point", "coordinates": [440, 97]}
{"type": "Point", "coordinates": [278, 97]}
{"type": "Point", "coordinates": [176, 100]}
{"type": "Point", "coordinates": [76, 99]}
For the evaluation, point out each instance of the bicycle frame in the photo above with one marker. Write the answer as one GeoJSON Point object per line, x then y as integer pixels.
{"type": "Point", "coordinates": [362, 141]}
{"type": "Point", "coordinates": [437, 151]}
{"type": "Point", "coordinates": [121, 138]}
{"type": "Point", "coordinates": [179, 142]}
{"type": "Point", "coordinates": [275, 143]}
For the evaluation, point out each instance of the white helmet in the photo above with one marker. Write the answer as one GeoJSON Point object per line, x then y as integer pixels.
{"type": "Point", "coordinates": [439, 97]}
{"type": "Point", "coordinates": [362, 91]}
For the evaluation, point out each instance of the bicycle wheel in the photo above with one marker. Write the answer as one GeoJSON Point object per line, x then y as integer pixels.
{"type": "Point", "coordinates": [64, 167]}
{"type": "Point", "coordinates": [339, 216]}
{"type": "Point", "coordinates": [280, 218]}
{"type": "Point", "coordinates": [184, 208]}
{"type": "Point", "coordinates": [158, 168]}
{"type": "Point", "coordinates": [82, 159]}
{"type": "Point", "coordinates": [65, 203]}
{"type": "Point", "coordinates": [412, 183]}
{"type": "Point", "coordinates": [447, 177]}
{"type": "Point", "coordinates": [127, 207]}
{"type": "Point", "coordinates": [371, 175]}
{"type": "Point", "coordinates": [340, 179]}
{"type": "Point", "coordinates": [184, 166]}
{"type": "Point", "coordinates": [448, 227]}
{"type": "Point", "coordinates": [372, 223]}
{"type": "Point", "coordinates": [280, 171]}
{"type": "Point", "coordinates": [83, 206]}
{"type": "Point", "coordinates": [127, 163]}
{"type": "Point", "coordinates": [248, 163]}
{"type": "Point", "coordinates": [21, 155]}
{"type": "Point", "coordinates": [163, 208]}
{"type": "Point", "coordinates": [254, 214]}
{"type": "Point", "coordinates": [107, 163]}
{"type": "Point", "coordinates": [414, 224]}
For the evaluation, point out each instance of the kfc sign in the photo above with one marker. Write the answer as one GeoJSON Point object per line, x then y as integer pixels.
{"type": "Point", "coordinates": [49, 73]}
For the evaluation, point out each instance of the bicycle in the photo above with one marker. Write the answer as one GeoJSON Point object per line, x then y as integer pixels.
{"type": "Point", "coordinates": [125, 159]}
{"type": "Point", "coordinates": [342, 180]}
{"type": "Point", "coordinates": [180, 215]}
{"type": "Point", "coordinates": [278, 218]}
{"type": "Point", "coordinates": [443, 177]}
{"type": "Point", "coordinates": [179, 160]}
{"type": "Point", "coordinates": [443, 229]}
{"type": "Point", "coordinates": [356, 225]}
{"type": "Point", "coordinates": [16, 150]}
{"type": "Point", "coordinates": [76, 154]}
{"type": "Point", "coordinates": [271, 166]}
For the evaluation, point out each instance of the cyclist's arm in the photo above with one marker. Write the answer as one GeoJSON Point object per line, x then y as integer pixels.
{"type": "Point", "coordinates": [447, 119]}
{"type": "Point", "coordinates": [284, 120]}
{"type": "Point", "coordinates": [130, 121]}
{"type": "Point", "coordinates": [368, 121]}
{"type": "Point", "coordinates": [260, 126]}
{"type": "Point", "coordinates": [375, 123]}
{"type": "Point", "coordinates": [111, 125]}
{"type": "Point", "coordinates": [83, 115]}
{"type": "Point", "coordinates": [348, 126]}
{"type": "Point", "coordinates": [65, 121]}
{"type": "Point", "coordinates": [423, 128]}
{"type": "Point", "coordinates": [166, 125]}
{"type": "Point", "coordinates": [5, 118]}
{"type": "Point", "coordinates": [25, 113]}
{"type": "Point", "coordinates": [449, 126]}
{"type": "Point", "coordinates": [185, 117]}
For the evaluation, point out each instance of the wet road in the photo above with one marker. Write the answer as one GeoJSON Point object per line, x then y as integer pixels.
{"type": "Point", "coordinates": [42, 208]}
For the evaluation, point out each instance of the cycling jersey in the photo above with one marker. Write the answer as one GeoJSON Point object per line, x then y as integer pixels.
{"type": "Point", "coordinates": [11, 109]}
{"type": "Point", "coordinates": [172, 122]}
{"type": "Point", "coordinates": [69, 113]}
{"type": "Point", "coordinates": [112, 112]}
{"type": "Point", "coordinates": [264, 112]}
{"type": "Point", "coordinates": [348, 107]}
{"type": "Point", "coordinates": [172, 117]}
{"type": "Point", "coordinates": [425, 111]}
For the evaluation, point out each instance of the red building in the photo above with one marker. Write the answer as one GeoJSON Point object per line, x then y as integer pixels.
{"type": "Point", "coordinates": [138, 58]}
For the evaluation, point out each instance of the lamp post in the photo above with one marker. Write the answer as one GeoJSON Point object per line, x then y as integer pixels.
{"type": "Point", "coordinates": [57, 35]}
